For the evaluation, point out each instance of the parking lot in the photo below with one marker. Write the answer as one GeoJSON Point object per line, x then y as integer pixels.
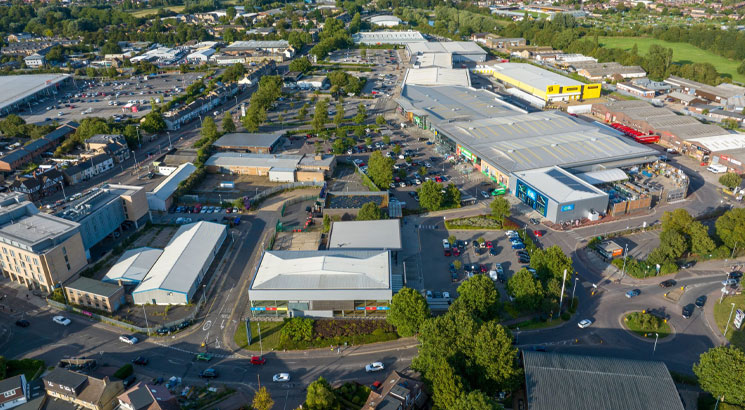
{"type": "Point", "coordinates": [109, 98]}
{"type": "Point", "coordinates": [436, 269]}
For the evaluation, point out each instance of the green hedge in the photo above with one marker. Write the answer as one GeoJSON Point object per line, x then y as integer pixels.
{"type": "Point", "coordinates": [124, 371]}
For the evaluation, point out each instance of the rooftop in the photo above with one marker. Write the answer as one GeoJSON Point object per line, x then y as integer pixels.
{"type": "Point", "coordinates": [255, 44]}
{"type": "Point", "coordinates": [181, 260]}
{"type": "Point", "coordinates": [249, 140]}
{"type": "Point", "coordinates": [237, 159]}
{"type": "Point", "coordinates": [724, 92]}
{"type": "Point", "coordinates": [533, 76]}
{"type": "Point", "coordinates": [453, 103]}
{"type": "Point", "coordinates": [38, 232]}
{"type": "Point", "coordinates": [95, 287]}
{"type": "Point", "coordinates": [443, 60]}
{"type": "Point", "coordinates": [721, 142]}
{"type": "Point", "coordinates": [556, 381]}
{"type": "Point", "coordinates": [437, 76]}
{"type": "Point", "coordinates": [169, 185]}
{"type": "Point", "coordinates": [384, 19]}
{"type": "Point", "coordinates": [560, 185]}
{"type": "Point", "coordinates": [94, 200]}
{"type": "Point", "coordinates": [382, 234]}
{"type": "Point", "coordinates": [18, 87]}
{"type": "Point", "coordinates": [133, 265]}
{"type": "Point", "coordinates": [453, 47]}
{"type": "Point", "coordinates": [388, 37]}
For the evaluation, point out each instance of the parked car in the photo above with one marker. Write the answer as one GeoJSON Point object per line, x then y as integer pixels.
{"type": "Point", "coordinates": [142, 361]}
{"type": "Point", "coordinates": [688, 265]}
{"type": "Point", "coordinates": [730, 282]}
{"type": "Point", "coordinates": [534, 221]}
{"type": "Point", "coordinates": [374, 367]}
{"type": "Point", "coordinates": [61, 320]}
{"type": "Point", "coordinates": [734, 275]}
{"type": "Point", "coordinates": [128, 339]}
{"type": "Point", "coordinates": [23, 323]}
{"type": "Point", "coordinates": [668, 283]}
{"type": "Point", "coordinates": [281, 378]}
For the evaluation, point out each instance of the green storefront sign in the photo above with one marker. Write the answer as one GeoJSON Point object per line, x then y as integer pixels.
{"type": "Point", "coordinates": [467, 154]}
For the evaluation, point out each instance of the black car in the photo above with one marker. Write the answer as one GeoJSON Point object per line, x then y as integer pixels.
{"type": "Point", "coordinates": [668, 283]}
{"type": "Point", "coordinates": [142, 361]}
{"type": "Point", "coordinates": [129, 381]}
{"type": "Point", "coordinates": [701, 301]}
{"type": "Point", "coordinates": [475, 244]}
{"type": "Point", "coordinates": [493, 252]}
{"type": "Point", "coordinates": [523, 260]}
{"type": "Point", "coordinates": [23, 323]}
{"type": "Point", "coordinates": [522, 252]}
{"type": "Point", "coordinates": [734, 275]}
{"type": "Point", "coordinates": [688, 264]}
{"type": "Point", "coordinates": [184, 324]}
{"type": "Point", "coordinates": [687, 311]}
{"type": "Point", "coordinates": [162, 331]}
{"type": "Point", "coordinates": [208, 373]}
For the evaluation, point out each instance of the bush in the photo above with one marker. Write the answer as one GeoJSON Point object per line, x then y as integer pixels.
{"type": "Point", "coordinates": [565, 316]}
{"type": "Point", "coordinates": [296, 329]}
{"type": "Point", "coordinates": [474, 222]}
{"type": "Point", "coordinates": [124, 371]}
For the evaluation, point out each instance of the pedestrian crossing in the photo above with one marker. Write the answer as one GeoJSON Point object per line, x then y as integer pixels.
{"type": "Point", "coordinates": [431, 227]}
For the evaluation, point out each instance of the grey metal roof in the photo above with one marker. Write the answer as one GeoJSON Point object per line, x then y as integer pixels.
{"type": "Point", "coordinates": [453, 103]}
{"type": "Point", "coordinates": [254, 44]}
{"type": "Point", "coordinates": [437, 76]}
{"type": "Point", "coordinates": [133, 265]}
{"type": "Point", "coordinates": [236, 159]}
{"type": "Point", "coordinates": [578, 382]}
{"type": "Point", "coordinates": [11, 383]}
{"type": "Point", "coordinates": [249, 140]}
{"type": "Point", "coordinates": [559, 185]}
{"type": "Point", "coordinates": [94, 286]}
{"type": "Point", "coordinates": [454, 47]}
{"type": "Point", "coordinates": [168, 186]}
{"type": "Point", "coordinates": [541, 140]}
{"type": "Point", "coordinates": [179, 265]}
{"type": "Point", "coordinates": [388, 37]}
{"type": "Point", "coordinates": [383, 234]}
{"type": "Point", "coordinates": [18, 87]}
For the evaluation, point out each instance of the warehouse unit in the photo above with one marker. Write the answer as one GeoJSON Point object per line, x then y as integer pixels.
{"type": "Point", "coordinates": [278, 167]}
{"type": "Point", "coordinates": [459, 51]}
{"type": "Point", "coordinates": [161, 197]}
{"type": "Point", "coordinates": [257, 143]}
{"type": "Point", "coordinates": [388, 37]}
{"type": "Point", "coordinates": [20, 90]}
{"type": "Point", "coordinates": [541, 83]}
{"type": "Point", "coordinates": [176, 275]}
{"type": "Point", "coordinates": [325, 283]}
{"type": "Point", "coordinates": [132, 266]}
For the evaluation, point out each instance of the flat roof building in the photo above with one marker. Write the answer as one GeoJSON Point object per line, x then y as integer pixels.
{"type": "Point", "coordinates": [132, 266]}
{"type": "Point", "coordinates": [161, 197]}
{"type": "Point", "coordinates": [437, 76]}
{"type": "Point", "coordinates": [20, 90]}
{"type": "Point", "coordinates": [176, 275]}
{"type": "Point", "coordinates": [321, 283]}
{"type": "Point", "coordinates": [257, 143]}
{"type": "Point", "coordinates": [385, 21]}
{"type": "Point", "coordinates": [541, 83]}
{"type": "Point", "coordinates": [388, 37]}
{"type": "Point", "coordinates": [382, 234]}
{"type": "Point", "coordinates": [277, 167]}
{"type": "Point", "coordinates": [461, 51]}
{"type": "Point", "coordinates": [95, 294]}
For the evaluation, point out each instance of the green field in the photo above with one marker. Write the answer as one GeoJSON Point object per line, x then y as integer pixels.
{"type": "Point", "coordinates": [682, 53]}
{"type": "Point", "coordinates": [149, 12]}
{"type": "Point", "coordinates": [722, 313]}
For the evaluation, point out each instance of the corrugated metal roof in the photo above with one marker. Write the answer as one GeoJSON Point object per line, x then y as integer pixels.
{"type": "Point", "coordinates": [382, 234]}
{"type": "Point", "coordinates": [578, 382]}
{"type": "Point", "coordinates": [560, 185]}
{"type": "Point", "coordinates": [133, 265]}
{"type": "Point", "coordinates": [179, 265]}
{"type": "Point", "coordinates": [603, 176]}
{"type": "Point", "coordinates": [169, 185]}
{"type": "Point", "coordinates": [535, 76]}
{"type": "Point", "coordinates": [249, 140]}
{"type": "Point", "coordinates": [438, 76]}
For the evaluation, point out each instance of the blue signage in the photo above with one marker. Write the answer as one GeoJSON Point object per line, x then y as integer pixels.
{"type": "Point", "coordinates": [531, 193]}
{"type": "Point", "coordinates": [566, 208]}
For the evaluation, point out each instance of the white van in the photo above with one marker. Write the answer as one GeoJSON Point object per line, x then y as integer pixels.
{"type": "Point", "coordinates": [717, 168]}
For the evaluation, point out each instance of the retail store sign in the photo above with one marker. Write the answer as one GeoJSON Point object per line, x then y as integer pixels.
{"type": "Point", "coordinates": [467, 154]}
{"type": "Point", "coordinates": [567, 208]}
{"type": "Point", "coordinates": [531, 194]}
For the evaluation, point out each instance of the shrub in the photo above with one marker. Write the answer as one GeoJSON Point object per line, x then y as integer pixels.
{"type": "Point", "coordinates": [124, 371]}
{"type": "Point", "coordinates": [296, 329]}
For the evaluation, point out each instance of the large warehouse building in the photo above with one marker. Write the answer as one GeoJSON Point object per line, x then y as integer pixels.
{"type": "Point", "coordinates": [535, 154]}
{"type": "Point", "coordinates": [176, 275]}
{"type": "Point", "coordinates": [458, 51]}
{"type": "Point", "coordinates": [20, 90]}
{"type": "Point", "coordinates": [344, 283]}
{"type": "Point", "coordinates": [161, 197]}
{"type": "Point", "coordinates": [540, 83]}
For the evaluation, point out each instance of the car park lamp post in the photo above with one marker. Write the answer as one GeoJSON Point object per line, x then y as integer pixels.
{"type": "Point", "coordinates": [656, 336]}
{"type": "Point", "coordinates": [169, 140]}
{"type": "Point", "coordinates": [147, 326]}
{"type": "Point", "coordinates": [728, 320]}
{"type": "Point", "coordinates": [576, 278]}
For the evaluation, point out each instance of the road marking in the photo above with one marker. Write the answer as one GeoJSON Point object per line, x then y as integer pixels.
{"type": "Point", "coordinates": [176, 362]}
{"type": "Point", "coordinates": [222, 324]}
{"type": "Point", "coordinates": [207, 325]}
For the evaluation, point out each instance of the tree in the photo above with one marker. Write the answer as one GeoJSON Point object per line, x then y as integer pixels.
{"type": "Point", "coordinates": [227, 123]}
{"type": "Point", "coordinates": [370, 212]}
{"type": "Point", "coordinates": [386, 139]}
{"type": "Point", "coordinates": [397, 149]}
{"type": "Point", "coordinates": [361, 115]}
{"type": "Point", "coordinates": [380, 120]}
{"type": "Point", "coordinates": [368, 141]}
{"type": "Point", "coordinates": [452, 195]}
{"type": "Point", "coordinates": [408, 312]}
{"type": "Point", "coordinates": [339, 116]}
{"type": "Point", "coordinates": [731, 228]}
{"type": "Point", "coordinates": [303, 112]}
{"type": "Point", "coordinates": [153, 122]}
{"type": "Point", "coordinates": [551, 263]}
{"type": "Point", "coordinates": [262, 400]}
{"type": "Point", "coordinates": [380, 169]}
{"type": "Point", "coordinates": [500, 208]}
{"type": "Point", "coordinates": [457, 264]}
{"type": "Point", "coordinates": [721, 371]}
{"type": "Point", "coordinates": [209, 129]}
{"type": "Point", "coordinates": [701, 242]}
{"type": "Point", "coordinates": [321, 116]}
{"type": "Point", "coordinates": [423, 170]}
{"type": "Point", "coordinates": [495, 356]}
{"type": "Point", "coordinates": [526, 290]}
{"type": "Point", "coordinates": [476, 400]}
{"type": "Point", "coordinates": [300, 64]}
{"type": "Point", "coordinates": [320, 396]}
{"type": "Point", "coordinates": [479, 296]}
{"type": "Point", "coordinates": [447, 386]}
{"type": "Point", "coordinates": [451, 240]}
{"type": "Point", "coordinates": [430, 195]}
{"type": "Point", "coordinates": [730, 180]}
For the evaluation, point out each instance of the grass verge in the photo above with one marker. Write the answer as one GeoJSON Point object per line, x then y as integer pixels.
{"type": "Point", "coordinates": [646, 325]}
{"type": "Point", "coordinates": [536, 324]}
{"type": "Point", "coordinates": [269, 335]}
{"type": "Point", "coordinates": [722, 313]}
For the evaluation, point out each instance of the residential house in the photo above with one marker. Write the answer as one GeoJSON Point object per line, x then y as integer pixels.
{"type": "Point", "coordinates": [88, 168]}
{"type": "Point", "coordinates": [40, 184]}
{"type": "Point", "coordinates": [19, 157]}
{"type": "Point", "coordinates": [13, 392]}
{"type": "Point", "coordinates": [112, 144]}
{"type": "Point", "coordinates": [397, 392]}
{"type": "Point", "coordinates": [37, 59]}
{"type": "Point", "coordinates": [84, 391]}
{"type": "Point", "coordinates": [145, 396]}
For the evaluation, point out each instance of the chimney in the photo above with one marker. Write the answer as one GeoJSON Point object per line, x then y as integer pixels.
{"type": "Point", "coordinates": [318, 157]}
{"type": "Point", "coordinates": [119, 282]}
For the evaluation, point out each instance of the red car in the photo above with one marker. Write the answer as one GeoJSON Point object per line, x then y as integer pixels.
{"type": "Point", "coordinates": [447, 252]}
{"type": "Point", "coordinates": [537, 234]}
{"type": "Point", "coordinates": [483, 269]}
{"type": "Point", "coordinates": [438, 179]}
{"type": "Point", "coordinates": [456, 251]}
{"type": "Point", "coordinates": [257, 360]}
{"type": "Point", "coordinates": [489, 244]}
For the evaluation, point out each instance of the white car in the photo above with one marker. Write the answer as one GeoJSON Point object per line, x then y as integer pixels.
{"type": "Point", "coordinates": [511, 233]}
{"type": "Point", "coordinates": [281, 377]}
{"type": "Point", "coordinates": [584, 323]}
{"type": "Point", "coordinates": [61, 320]}
{"type": "Point", "coordinates": [128, 339]}
{"type": "Point", "coordinates": [446, 295]}
{"type": "Point", "coordinates": [374, 367]}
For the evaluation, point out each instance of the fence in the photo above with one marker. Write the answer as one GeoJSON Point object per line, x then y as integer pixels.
{"type": "Point", "coordinates": [271, 191]}
{"type": "Point", "coordinates": [294, 201]}
{"type": "Point", "coordinates": [118, 323]}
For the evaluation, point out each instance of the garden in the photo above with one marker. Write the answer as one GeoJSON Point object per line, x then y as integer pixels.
{"type": "Point", "coordinates": [647, 325]}
{"type": "Point", "coordinates": [352, 395]}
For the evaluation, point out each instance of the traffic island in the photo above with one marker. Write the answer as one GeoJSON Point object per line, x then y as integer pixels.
{"type": "Point", "coordinates": [647, 326]}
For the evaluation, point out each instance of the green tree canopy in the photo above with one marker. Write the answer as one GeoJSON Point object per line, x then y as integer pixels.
{"type": "Point", "coordinates": [430, 195]}
{"type": "Point", "coordinates": [380, 120]}
{"type": "Point", "coordinates": [380, 169]}
{"type": "Point", "coordinates": [321, 116]}
{"type": "Point", "coordinates": [227, 123]}
{"type": "Point", "coordinates": [361, 115]}
{"type": "Point", "coordinates": [408, 311]}
{"type": "Point", "coordinates": [153, 122]}
{"type": "Point", "coordinates": [500, 208]}
{"type": "Point", "coordinates": [479, 296]}
{"type": "Point", "coordinates": [730, 180]}
{"type": "Point", "coordinates": [209, 129]}
{"type": "Point", "coordinates": [721, 372]}
{"type": "Point", "coordinates": [731, 228]}
{"type": "Point", "coordinates": [300, 64]}
{"type": "Point", "coordinates": [320, 396]}
{"type": "Point", "coordinates": [370, 212]}
{"type": "Point", "coordinates": [262, 400]}
{"type": "Point", "coordinates": [551, 263]}
{"type": "Point", "coordinates": [526, 290]}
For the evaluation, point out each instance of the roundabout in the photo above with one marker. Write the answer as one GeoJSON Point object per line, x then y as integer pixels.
{"type": "Point", "coordinates": [647, 326]}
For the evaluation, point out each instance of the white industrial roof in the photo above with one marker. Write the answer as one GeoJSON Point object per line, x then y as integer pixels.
{"type": "Point", "coordinates": [438, 76]}
{"type": "Point", "coordinates": [534, 76]}
{"type": "Point", "coordinates": [603, 176]}
{"type": "Point", "coordinates": [383, 234]}
{"type": "Point", "coordinates": [453, 47]}
{"type": "Point", "coordinates": [179, 265]}
{"type": "Point", "coordinates": [237, 159]}
{"type": "Point", "coordinates": [384, 19]}
{"type": "Point", "coordinates": [18, 87]}
{"type": "Point", "coordinates": [168, 186]}
{"type": "Point", "coordinates": [721, 142]}
{"type": "Point", "coordinates": [444, 60]}
{"type": "Point", "coordinates": [388, 37]}
{"type": "Point", "coordinates": [336, 271]}
{"type": "Point", "coordinates": [559, 185]}
{"type": "Point", "coordinates": [133, 265]}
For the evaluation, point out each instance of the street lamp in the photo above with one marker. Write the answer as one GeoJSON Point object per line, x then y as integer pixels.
{"type": "Point", "coordinates": [169, 140]}
{"type": "Point", "coordinates": [729, 319]}
{"type": "Point", "coordinates": [576, 278]}
{"type": "Point", "coordinates": [656, 336]}
{"type": "Point", "coordinates": [139, 143]}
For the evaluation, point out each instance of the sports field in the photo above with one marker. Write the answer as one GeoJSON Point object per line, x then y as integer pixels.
{"type": "Point", "coordinates": [682, 53]}
{"type": "Point", "coordinates": [148, 12]}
